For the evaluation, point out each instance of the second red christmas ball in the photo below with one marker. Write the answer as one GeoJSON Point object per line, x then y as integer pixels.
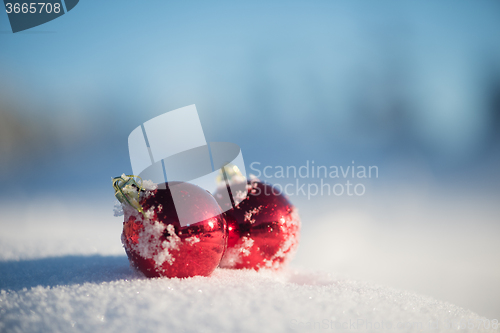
{"type": "Point", "coordinates": [263, 230]}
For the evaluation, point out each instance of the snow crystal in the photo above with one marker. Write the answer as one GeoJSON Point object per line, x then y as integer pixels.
{"type": "Point", "coordinates": [252, 187]}
{"type": "Point", "coordinates": [192, 240]}
{"type": "Point", "coordinates": [117, 209]}
{"type": "Point", "coordinates": [239, 197]}
{"type": "Point", "coordinates": [234, 255]}
{"type": "Point", "coordinates": [150, 213]}
{"type": "Point", "coordinates": [172, 243]}
{"type": "Point", "coordinates": [149, 185]}
{"type": "Point", "coordinates": [147, 245]}
{"type": "Point", "coordinates": [250, 213]}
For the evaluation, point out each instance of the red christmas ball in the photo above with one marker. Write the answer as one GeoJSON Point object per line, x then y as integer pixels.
{"type": "Point", "coordinates": [156, 242]}
{"type": "Point", "coordinates": [263, 230]}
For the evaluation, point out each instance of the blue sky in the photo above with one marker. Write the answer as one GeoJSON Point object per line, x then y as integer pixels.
{"type": "Point", "coordinates": [287, 81]}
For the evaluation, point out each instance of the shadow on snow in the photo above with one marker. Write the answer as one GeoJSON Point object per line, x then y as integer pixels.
{"type": "Point", "coordinates": [55, 271]}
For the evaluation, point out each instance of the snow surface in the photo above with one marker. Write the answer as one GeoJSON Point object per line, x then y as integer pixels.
{"type": "Point", "coordinates": [102, 294]}
{"type": "Point", "coordinates": [63, 269]}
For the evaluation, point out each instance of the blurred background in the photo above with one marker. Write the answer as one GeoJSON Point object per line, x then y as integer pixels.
{"type": "Point", "coordinates": [411, 87]}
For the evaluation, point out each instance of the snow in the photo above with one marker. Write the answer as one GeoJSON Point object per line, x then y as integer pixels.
{"type": "Point", "coordinates": [117, 209]}
{"type": "Point", "coordinates": [65, 270]}
{"type": "Point", "coordinates": [112, 298]}
{"type": "Point", "coordinates": [149, 185]}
